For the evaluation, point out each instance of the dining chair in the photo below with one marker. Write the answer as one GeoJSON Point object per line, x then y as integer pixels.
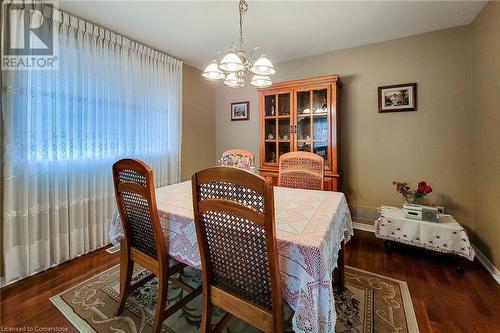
{"type": "Point", "coordinates": [301, 169]}
{"type": "Point", "coordinates": [144, 242]}
{"type": "Point", "coordinates": [239, 158]}
{"type": "Point", "coordinates": [235, 228]}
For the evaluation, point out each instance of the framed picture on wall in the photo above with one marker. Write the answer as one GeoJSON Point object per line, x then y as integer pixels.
{"type": "Point", "coordinates": [240, 111]}
{"type": "Point", "coordinates": [397, 98]}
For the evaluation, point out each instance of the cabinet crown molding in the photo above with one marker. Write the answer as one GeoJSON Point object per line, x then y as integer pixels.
{"type": "Point", "coordinates": [307, 81]}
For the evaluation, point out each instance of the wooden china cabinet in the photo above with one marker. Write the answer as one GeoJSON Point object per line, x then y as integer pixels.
{"type": "Point", "coordinates": [301, 115]}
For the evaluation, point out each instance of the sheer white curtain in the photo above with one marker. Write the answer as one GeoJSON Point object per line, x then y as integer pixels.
{"type": "Point", "coordinates": [63, 129]}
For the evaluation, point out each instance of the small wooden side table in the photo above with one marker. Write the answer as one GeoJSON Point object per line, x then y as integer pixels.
{"type": "Point", "coordinates": [445, 236]}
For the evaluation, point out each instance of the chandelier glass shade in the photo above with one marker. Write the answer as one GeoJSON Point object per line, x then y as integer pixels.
{"type": "Point", "coordinates": [261, 81]}
{"type": "Point", "coordinates": [231, 68]}
{"type": "Point", "coordinates": [231, 63]}
{"type": "Point", "coordinates": [212, 72]}
{"type": "Point", "coordinates": [234, 80]}
{"type": "Point", "coordinates": [263, 67]}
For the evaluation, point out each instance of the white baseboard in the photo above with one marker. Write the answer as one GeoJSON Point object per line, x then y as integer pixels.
{"type": "Point", "coordinates": [487, 264]}
{"type": "Point", "coordinates": [494, 272]}
{"type": "Point", "coordinates": [363, 226]}
{"type": "Point", "coordinates": [363, 213]}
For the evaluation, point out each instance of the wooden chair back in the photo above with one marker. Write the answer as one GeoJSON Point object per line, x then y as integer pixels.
{"type": "Point", "coordinates": [235, 227]}
{"type": "Point", "coordinates": [136, 199]}
{"type": "Point", "coordinates": [144, 242]}
{"type": "Point", "coordinates": [301, 170]}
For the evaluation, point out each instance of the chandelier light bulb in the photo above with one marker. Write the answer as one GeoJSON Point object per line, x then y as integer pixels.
{"type": "Point", "coordinates": [212, 72]}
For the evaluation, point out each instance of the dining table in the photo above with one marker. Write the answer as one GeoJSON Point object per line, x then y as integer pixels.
{"type": "Point", "coordinates": [311, 227]}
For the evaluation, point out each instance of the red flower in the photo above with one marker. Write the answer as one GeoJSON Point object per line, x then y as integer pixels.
{"type": "Point", "coordinates": [428, 189]}
{"type": "Point", "coordinates": [422, 187]}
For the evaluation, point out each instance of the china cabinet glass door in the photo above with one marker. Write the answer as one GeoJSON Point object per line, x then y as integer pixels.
{"type": "Point", "coordinates": [313, 121]}
{"type": "Point", "coordinates": [277, 125]}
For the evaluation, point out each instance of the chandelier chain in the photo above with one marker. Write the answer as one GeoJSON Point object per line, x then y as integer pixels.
{"type": "Point", "coordinates": [243, 9]}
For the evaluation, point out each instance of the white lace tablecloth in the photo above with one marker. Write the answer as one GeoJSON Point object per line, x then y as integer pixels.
{"type": "Point", "coordinates": [311, 226]}
{"type": "Point", "coordinates": [445, 236]}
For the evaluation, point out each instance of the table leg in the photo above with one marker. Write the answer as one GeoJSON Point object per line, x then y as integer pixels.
{"type": "Point", "coordinates": [460, 264]}
{"type": "Point", "coordinates": [387, 246]}
{"type": "Point", "coordinates": [338, 273]}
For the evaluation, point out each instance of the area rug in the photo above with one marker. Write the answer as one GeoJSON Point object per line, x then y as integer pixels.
{"type": "Point", "coordinates": [371, 303]}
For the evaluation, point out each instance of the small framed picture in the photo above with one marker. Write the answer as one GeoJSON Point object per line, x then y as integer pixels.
{"type": "Point", "coordinates": [240, 111]}
{"type": "Point", "coordinates": [398, 97]}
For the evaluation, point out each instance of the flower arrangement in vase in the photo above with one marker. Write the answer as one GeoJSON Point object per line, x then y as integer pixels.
{"type": "Point", "coordinates": [409, 194]}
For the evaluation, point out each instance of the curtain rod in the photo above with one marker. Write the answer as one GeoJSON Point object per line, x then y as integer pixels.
{"type": "Point", "coordinates": [49, 12]}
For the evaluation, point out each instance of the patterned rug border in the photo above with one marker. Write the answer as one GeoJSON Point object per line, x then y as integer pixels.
{"type": "Point", "coordinates": [81, 325]}
{"type": "Point", "coordinates": [77, 321]}
{"type": "Point", "coordinates": [411, 319]}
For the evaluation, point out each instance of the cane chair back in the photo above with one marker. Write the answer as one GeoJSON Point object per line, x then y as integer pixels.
{"type": "Point", "coordinates": [301, 170]}
{"type": "Point", "coordinates": [144, 242]}
{"type": "Point", "coordinates": [234, 218]}
{"type": "Point", "coordinates": [238, 158]}
{"type": "Point", "coordinates": [135, 196]}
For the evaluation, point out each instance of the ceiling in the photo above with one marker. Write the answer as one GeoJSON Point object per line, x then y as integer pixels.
{"type": "Point", "coordinates": [194, 31]}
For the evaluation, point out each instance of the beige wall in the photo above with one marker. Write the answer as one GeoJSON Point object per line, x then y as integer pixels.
{"type": "Point", "coordinates": [236, 134]}
{"type": "Point", "coordinates": [198, 122]}
{"type": "Point", "coordinates": [485, 42]}
{"type": "Point", "coordinates": [434, 143]}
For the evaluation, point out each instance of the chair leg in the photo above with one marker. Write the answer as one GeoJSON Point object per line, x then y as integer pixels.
{"type": "Point", "coordinates": [161, 303]}
{"type": "Point", "coordinates": [206, 315]}
{"type": "Point", "coordinates": [126, 270]}
{"type": "Point", "coordinates": [219, 328]}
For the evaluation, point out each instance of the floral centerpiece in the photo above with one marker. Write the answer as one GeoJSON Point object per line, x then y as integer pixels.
{"type": "Point", "coordinates": [409, 194]}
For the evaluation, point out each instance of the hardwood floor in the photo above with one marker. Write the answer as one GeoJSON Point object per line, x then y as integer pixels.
{"type": "Point", "coordinates": [444, 300]}
{"type": "Point", "coordinates": [26, 303]}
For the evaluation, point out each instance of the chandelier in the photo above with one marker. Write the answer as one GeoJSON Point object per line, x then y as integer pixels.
{"type": "Point", "coordinates": [231, 68]}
